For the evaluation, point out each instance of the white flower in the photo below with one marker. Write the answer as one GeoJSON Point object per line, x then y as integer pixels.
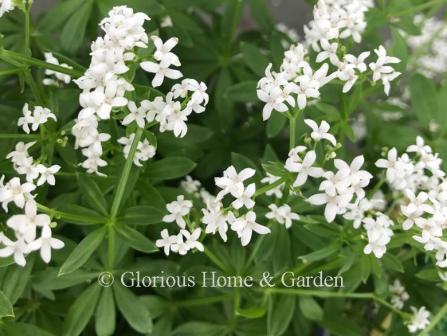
{"type": "Point", "coordinates": [398, 294]}
{"type": "Point", "coordinates": [166, 242]}
{"type": "Point", "coordinates": [233, 182]}
{"type": "Point", "coordinates": [25, 225]}
{"type": "Point", "coordinates": [244, 198]}
{"type": "Point", "coordinates": [420, 319]}
{"type": "Point", "coordinates": [245, 225]}
{"type": "Point", "coordinates": [16, 192]}
{"type": "Point", "coordinates": [161, 71]}
{"type": "Point", "coordinates": [144, 152]}
{"type": "Point", "coordinates": [329, 51]}
{"type": "Point", "coordinates": [270, 179]}
{"type": "Point", "coordinates": [177, 210]}
{"type": "Point", "coordinates": [6, 6]}
{"type": "Point", "coordinates": [47, 174]}
{"type": "Point", "coordinates": [320, 132]}
{"type": "Point", "coordinates": [45, 244]}
{"type": "Point", "coordinates": [190, 185]}
{"type": "Point", "coordinates": [283, 215]}
{"type": "Point", "coordinates": [58, 77]}
{"type": "Point", "coordinates": [305, 169]}
{"type": "Point", "coordinates": [334, 203]}
{"type": "Point", "coordinates": [19, 155]}
{"type": "Point", "coordinates": [215, 220]}
{"type": "Point", "coordinates": [381, 69]}
{"type": "Point", "coordinates": [137, 114]}
{"type": "Point", "coordinates": [163, 52]}
{"type": "Point", "coordinates": [379, 234]}
{"type": "Point", "coordinates": [191, 239]}
{"type": "Point", "coordinates": [18, 249]}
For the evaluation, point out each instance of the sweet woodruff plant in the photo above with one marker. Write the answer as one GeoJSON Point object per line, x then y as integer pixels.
{"type": "Point", "coordinates": [350, 206]}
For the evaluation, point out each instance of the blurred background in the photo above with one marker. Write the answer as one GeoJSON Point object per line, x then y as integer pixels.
{"type": "Point", "coordinates": [293, 13]}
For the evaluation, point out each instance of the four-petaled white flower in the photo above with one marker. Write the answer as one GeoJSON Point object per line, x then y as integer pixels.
{"type": "Point", "coordinates": [177, 210]}
{"type": "Point", "coordinates": [245, 225]}
{"type": "Point", "coordinates": [419, 320]}
{"type": "Point", "coordinates": [320, 132]}
{"type": "Point", "coordinates": [45, 244]}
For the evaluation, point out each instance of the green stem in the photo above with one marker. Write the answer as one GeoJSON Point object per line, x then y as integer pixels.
{"type": "Point", "coordinates": [202, 301]}
{"type": "Point", "coordinates": [215, 260]}
{"type": "Point", "coordinates": [13, 56]}
{"type": "Point", "coordinates": [27, 31]}
{"type": "Point", "coordinates": [119, 193]}
{"type": "Point", "coordinates": [435, 320]}
{"type": "Point", "coordinates": [8, 136]}
{"type": "Point", "coordinates": [327, 294]}
{"type": "Point", "coordinates": [111, 243]}
{"type": "Point", "coordinates": [292, 123]}
{"type": "Point", "coordinates": [268, 187]}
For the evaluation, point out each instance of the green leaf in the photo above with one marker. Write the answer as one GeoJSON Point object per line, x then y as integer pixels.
{"type": "Point", "coordinates": [275, 124]}
{"type": "Point", "coordinates": [105, 313]}
{"type": "Point", "coordinates": [15, 281]}
{"type": "Point", "coordinates": [76, 214]}
{"type": "Point", "coordinates": [142, 215]}
{"type": "Point", "coordinates": [59, 15]}
{"type": "Point", "coordinates": [92, 193]}
{"type": "Point", "coordinates": [280, 312]}
{"type": "Point", "coordinates": [135, 239]}
{"type": "Point", "coordinates": [12, 328]}
{"type": "Point", "coordinates": [399, 49]}
{"type": "Point", "coordinates": [322, 253]}
{"type": "Point", "coordinates": [49, 279]}
{"type": "Point", "coordinates": [262, 15]}
{"type": "Point", "coordinates": [133, 310]}
{"type": "Point", "coordinates": [231, 17]}
{"type": "Point", "coordinates": [73, 33]}
{"type": "Point", "coordinates": [424, 99]}
{"type": "Point", "coordinates": [251, 313]}
{"type": "Point", "coordinates": [169, 168]}
{"type": "Point", "coordinates": [310, 308]}
{"type": "Point", "coordinates": [81, 311]}
{"type": "Point", "coordinates": [5, 306]}
{"type": "Point", "coordinates": [242, 92]}
{"type": "Point", "coordinates": [254, 59]}
{"type": "Point", "coordinates": [391, 262]}
{"type": "Point", "coordinates": [200, 329]}
{"type": "Point", "coordinates": [83, 251]}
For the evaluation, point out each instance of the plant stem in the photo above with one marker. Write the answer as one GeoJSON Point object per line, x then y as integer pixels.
{"type": "Point", "coordinates": [8, 136]}
{"type": "Point", "coordinates": [13, 56]}
{"type": "Point", "coordinates": [202, 301]}
{"type": "Point", "coordinates": [111, 243]}
{"type": "Point", "coordinates": [327, 294]}
{"type": "Point", "coordinates": [436, 319]}
{"type": "Point", "coordinates": [119, 193]}
{"type": "Point", "coordinates": [268, 187]}
{"type": "Point", "coordinates": [27, 31]}
{"type": "Point", "coordinates": [215, 260]}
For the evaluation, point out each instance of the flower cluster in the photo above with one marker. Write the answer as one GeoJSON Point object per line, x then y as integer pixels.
{"type": "Point", "coordinates": [25, 226]}
{"type": "Point", "coordinates": [54, 77]}
{"type": "Point", "coordinates": [185, 240]}
{"type": "Point", "coordinates": [38, 116]}
{"type": "Point", "coordinates": [144, 151]}
{"type": "Point", "coordinates": [337, 19]}
{"type": "Point", "coordinates": [104, 86]}
{"type": "Point", "coordinates": [6, 6]}
{"type": "Point", "coordinates": [398, 294]}
{"type": "Point", "coordinates": [418, 176]}
{"type": "Point", "coordinates": [297, 84]}
{"type": "Point", "coordinates": [432, 40]}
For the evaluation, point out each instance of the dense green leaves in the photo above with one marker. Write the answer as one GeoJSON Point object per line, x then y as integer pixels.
{"type": "Point", "coordinates": [92, 193]}
{"type": "Point", "coordinates": [142, 215]}
{"type": "Point", "coordinates": [105, 313]}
